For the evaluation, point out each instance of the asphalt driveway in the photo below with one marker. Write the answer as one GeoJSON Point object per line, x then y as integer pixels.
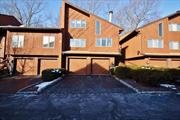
{"type": "Point", "coordinates": [88, 84]}
{"type": "Point", "coordinates": [93, 98]}
{"type": "Point", "coordinates": [15, 83]}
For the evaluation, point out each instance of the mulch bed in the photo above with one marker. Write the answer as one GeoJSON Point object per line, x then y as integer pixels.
{"type": "Point", "coordinates": [142, 87]}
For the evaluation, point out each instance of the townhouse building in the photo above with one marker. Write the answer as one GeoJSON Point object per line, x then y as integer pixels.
{"type": "Point", "coordinates": [154, 44]}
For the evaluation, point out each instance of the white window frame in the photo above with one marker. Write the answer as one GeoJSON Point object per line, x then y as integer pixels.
{"type": "Point", "coordinates": [99, 42]}
{"type": "Point", "coordinates": [97, 28]}
{"type": "Point", "coordinates": [81, 43]}
{"type": "Point", "coordinates": [49, 40]}
{"type": "Point", "coordinates": [19, 41]}
{"type": "Point", "coordinates": [173, 27]}
{"type": "Point", "coordinates": [172, 43]}
{"type": "Point", "coordinates": [154, 43]}
{"type": "Point", "coordinates": [77, 23]}
{"type": "Point", "coordinates": [159, 30]}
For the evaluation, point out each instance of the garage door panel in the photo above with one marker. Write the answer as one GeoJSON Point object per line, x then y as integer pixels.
{"type": "Point", "coordinates": [158, 63]}
{"type": "Point", "coordinates": [100, 66]}
{"type": "Point", "coordinates": [26, 66]}
{"type": "Point", "coordinates": [175, 64]}
{"type": "Point", "coordinates": [78, 66]}
{"type": "Point", "coordinates": [45, 64]}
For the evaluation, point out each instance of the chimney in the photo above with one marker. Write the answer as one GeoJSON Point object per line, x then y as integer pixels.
{"type": "Point", "coordinates": [110, 16]}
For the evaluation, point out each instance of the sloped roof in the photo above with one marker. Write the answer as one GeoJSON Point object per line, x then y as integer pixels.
{"type": "Point", "coordinates": [168, 16]}
{"type": "Point", "coordinates": [132, 33]}
{"type": "Point", "coordinates": [17, 28]}
{"type": "Point", "coordinates": [87, 12]}
{"type": "Point", "coordinates": [8, 20]}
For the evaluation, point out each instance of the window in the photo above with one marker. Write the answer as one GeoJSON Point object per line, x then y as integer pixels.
{"type": "Point", "coordinates": [48, 41]}
{"type": "Point", "coordinates": [174, 27]}
{"type": "Point", "coordinates": [160, 29]}
{"type": "Point", "coordinates": [155, 43]}
{"type": "Point", "coordinates": [77, 43]}
{"type": "Point", "coordinates": [103, 42]}
{"type": "Point", "coordinates": [17, 41]}
{"type": "Point", "coordinates": [98, 28]}
{"type": "Point", "coordinates": [77, 24]}
{"type": "Point", "coordinates": [175, 45]}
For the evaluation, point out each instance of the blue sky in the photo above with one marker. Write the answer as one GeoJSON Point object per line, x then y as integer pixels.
{"type": "Point", "coordinates": [166, 7]}
{"type": "Point", "coordinates": [169, 6]}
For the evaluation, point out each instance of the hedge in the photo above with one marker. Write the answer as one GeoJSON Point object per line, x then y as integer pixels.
{"type": "Point", "coordinates": [149, 76]}
{"type": "Point", "coordinates": [51, 74]}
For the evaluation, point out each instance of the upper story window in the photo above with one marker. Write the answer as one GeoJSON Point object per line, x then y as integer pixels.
{"type": "Point", "coordinates": [174, 45]}
{"type": "Point", "coordinates": [77, 43]}
{"type": "Point", "coordinates": [77, 24]}
{"type": "Point", "coordinates": [174, 27]}
{"type": "Point", "coordinates": [103, 42]}
{"type": "Point", "coordinates": [160, 29]}
{"type": "Point", "coordinates": [17, 41]}
{"type": "Point", "coordinates": [98, 28]}
{"type": "Point", "coordinates": [155, 43]}
{"type": "Point", "coordinates": [48, 41]}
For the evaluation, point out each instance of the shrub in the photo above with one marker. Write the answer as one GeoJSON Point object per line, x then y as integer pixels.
{"type": "Point", "coordinates": [112, 71]}
{"type": "Point", "coordinates": [51, 74]}
{"type": "Point", "coordinates": [149, 76]}
{"type": "Point", "coordinates": [122, 72]}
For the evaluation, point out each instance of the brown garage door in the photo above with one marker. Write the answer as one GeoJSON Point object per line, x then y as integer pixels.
{"type": "Point", "coordinates": [158, 63]}
{"type": "Point", "coordinates": [78, 66]}
{"type": "Point", "coordinates": [26, 66]}
{"type": "Point", "coordinates": [175, 64]}
{"type": "Point", "coordinates": [45, 64]}
{"type": "Point", "coordinates": [100, 66]}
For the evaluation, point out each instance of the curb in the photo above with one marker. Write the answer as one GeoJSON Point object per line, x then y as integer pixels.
{"type": "Point", "coordinates": [143, 92]}
{"type": "Point", "coordinates": [126, 84]}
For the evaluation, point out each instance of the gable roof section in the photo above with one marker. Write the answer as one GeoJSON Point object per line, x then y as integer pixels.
{"type": "Point", "coordinates": [133, 33]}
{"type": "Point", "coordinates": [8, 20]}
{"type": "Point", "coordinates": [87, 12]}
{"type": "Point", "coordinates": [169, 17]}
{"type": "Point", "coordinates": [30, 29]}
{"type": "Point", "coordinates": [128, 36]}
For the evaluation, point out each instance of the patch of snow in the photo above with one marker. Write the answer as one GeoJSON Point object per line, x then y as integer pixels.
{"type": "Point", "coordinates": [45, 84]}
{"type": "Point", "coordinates": [168, 86]}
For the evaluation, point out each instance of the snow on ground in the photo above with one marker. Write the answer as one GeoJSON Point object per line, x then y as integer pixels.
{"type": "Point", "coordinates": [45, 84]}
{"type": "Point", "coordinates": [168, 86]}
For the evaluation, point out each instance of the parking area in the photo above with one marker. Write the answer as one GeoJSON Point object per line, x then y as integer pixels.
{"type": "Point", "coordinates": [15, 83]}
{"type": "Point", "coordinates": [89, 98]}
{"type": "Point", "coordinates": [72, 84]}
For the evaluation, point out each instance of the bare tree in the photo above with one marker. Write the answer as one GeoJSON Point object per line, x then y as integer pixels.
{"type": "Point", "coordinates": [136, 13]}
{"type": "Point", "coordinates": [92, 6]}
{"type": "Point", "coordinates": [28, 12]}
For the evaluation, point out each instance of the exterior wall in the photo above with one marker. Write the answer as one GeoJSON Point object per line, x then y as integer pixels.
{"type": "Point", "coordinates": [33, 44]}
{"type": "Point", "coordinates": [132, 47]}
{"type": "Point", "coordinates": [156, 62]}
{"type": "Point", "coordinates": [108, 30]}
{"type": "Point", "coordinates": [140, 62]}
{"type": "Point", "coordinates": [151, 32]}
{"type": "Point", "coordinates": [2, 44]}
{"type": "Point", "coordinates": [33, 58]}
{"type": "Point", "coordinates": [135, 47]}
{"type": "Point", "coordinates": [88, 33]}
